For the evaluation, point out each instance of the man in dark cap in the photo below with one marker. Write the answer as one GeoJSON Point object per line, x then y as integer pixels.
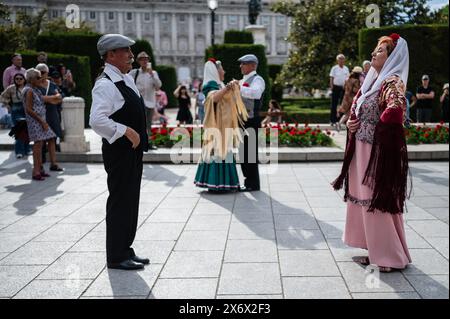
{"type": "Point", "coordinates": [118, 116]}
{"type": "Point", "coordinates": [252, 91]}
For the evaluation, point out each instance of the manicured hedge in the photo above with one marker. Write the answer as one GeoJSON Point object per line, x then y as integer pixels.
{"type": "Point", "coordinates": [299, 103]}
{"type": "Point", "coordinates": [230, 53]}
{"type": "Point", "coordinates": [238, 37]}
{"type": "Point", "coordinates": [168, 77]}
{"type": "Point", "coordinates": [428, 54]}
{"type": "Point", "coordinates": [73, 43]}
{"type": "Point", "coordinates": [79, 66]}
{"type": "Point", "coordinates": [277, 89]}
{"type": "Point", "coordinates": [85, 44]}
{"type": "Point", "coordinates": [307, 116]}
{"type": "Point", "coordinates": [143, 45]}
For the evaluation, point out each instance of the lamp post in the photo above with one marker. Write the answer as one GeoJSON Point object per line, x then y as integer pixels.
{"type": "Point", "coordinates": [212, 4]}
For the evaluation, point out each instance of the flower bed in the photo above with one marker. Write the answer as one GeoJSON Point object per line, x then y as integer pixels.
{"type": "Point", "coordinates": [427, 135]}
{"type": "Point", "coordinates": [293, 136]}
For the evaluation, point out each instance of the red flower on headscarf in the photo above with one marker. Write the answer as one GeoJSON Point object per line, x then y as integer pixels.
{"type": "Point", "coordinates": [394, 37]}
{"type": "Point", "coordinates": [212, 60]}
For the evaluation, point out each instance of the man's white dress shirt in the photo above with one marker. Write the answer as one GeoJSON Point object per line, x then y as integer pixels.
{"type": "Point", "coordinates": [106, 100]}
{"type": "Point", "coordinates": [256, 88]}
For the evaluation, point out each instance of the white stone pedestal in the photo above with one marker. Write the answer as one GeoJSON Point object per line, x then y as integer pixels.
{"type": "Point", "coordinates": [73, 117]}
{"type": "Point", "coordinates": [259, 33]}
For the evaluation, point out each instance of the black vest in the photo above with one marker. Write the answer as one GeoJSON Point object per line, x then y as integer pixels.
{"type": "Point", "coordinates": [253, 106]}
{"type": "Point", "coordinates": [132, 114]}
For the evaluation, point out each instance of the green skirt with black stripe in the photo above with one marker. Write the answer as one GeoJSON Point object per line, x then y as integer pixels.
{"type": "Point", "coordinates": [218, 175]}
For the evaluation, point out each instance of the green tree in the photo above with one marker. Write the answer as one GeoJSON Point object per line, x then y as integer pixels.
{"type": "Point", "coordinates": [30, 26]}
{"type": "Point", "coordinates": [321, 29]}
{"type": "Point", "coordinates": [23, 33]}
{"type": "Point", "coordinates": [440, 16]}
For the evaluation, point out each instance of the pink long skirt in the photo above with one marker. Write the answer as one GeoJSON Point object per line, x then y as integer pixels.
{"type": "Point", "coordinates": [382, 234]}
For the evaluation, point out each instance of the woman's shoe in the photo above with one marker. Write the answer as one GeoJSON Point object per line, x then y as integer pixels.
{"type": "Point", "coordinates": [56, 168]}
{"type": "Point", "coordinates": [362, 260]}
{"type": "Point", "coordinates": [38, 177]}
{"type": "Point", "coordinates": [44, 174]}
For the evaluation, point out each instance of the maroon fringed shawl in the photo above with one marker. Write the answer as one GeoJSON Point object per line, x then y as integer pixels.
{"type": "Point", "coordinates": [387, 171]}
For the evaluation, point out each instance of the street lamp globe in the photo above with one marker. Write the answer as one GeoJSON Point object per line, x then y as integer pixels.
{"type": "Point", "coordinates": [212, 4]}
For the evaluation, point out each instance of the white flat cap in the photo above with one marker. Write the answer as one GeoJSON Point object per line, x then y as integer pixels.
{"type": "Point", "coordinates": [248, 58]}
{"type": "Point", "coordinates": [113, 41]}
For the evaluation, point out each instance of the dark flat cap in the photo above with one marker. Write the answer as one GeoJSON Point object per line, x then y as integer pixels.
{"type": "Point", "coordinates": [248, 58]}
{"type": "Point", "coordinates": [113, 41]}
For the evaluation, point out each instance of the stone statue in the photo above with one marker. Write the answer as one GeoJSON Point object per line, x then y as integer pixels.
{"type": "Point", "coordinates": [254, 8]}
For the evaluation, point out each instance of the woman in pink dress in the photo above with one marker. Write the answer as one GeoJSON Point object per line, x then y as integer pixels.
{"type": "Point", "coordinates": [375, 168]}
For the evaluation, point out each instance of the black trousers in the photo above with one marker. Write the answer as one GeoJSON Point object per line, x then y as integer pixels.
{"type": "Point", "coordinates": [124, 169]}
{"type": "Point", "coordinates": [249, 165]}
{"type": "Point", "coordinates": [336, 98]}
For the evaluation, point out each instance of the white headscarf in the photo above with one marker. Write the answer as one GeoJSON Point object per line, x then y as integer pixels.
{"type": "Point", "coordinates": [396, 64]}
{"type": "Point", "coordinates": [210, 73]}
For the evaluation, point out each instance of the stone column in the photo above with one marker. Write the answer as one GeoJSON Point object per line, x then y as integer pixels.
{"type": "Point", "coordinates": [73, 117]}
{"type": "Point", "coordinates": [120, 21]}
{"type": "Point", "coordinates": [224, 23]}
{"type": "Point", "coordinates": [156, 34]}
{"type": "Point", "coordinates": [102, 22]}
{"type": "Point", "coordinates": [241, 22]}
{"type": "Point", "coordinates": [208, 30]}
{"type": "Point", "coordinates": [191, 33]}
{"type": "Point", "coordinates": [138, 25]}
{"type": "Point", "coordinates": [273, 45]}
{"type": "Point", "coordinates": [174, 33]}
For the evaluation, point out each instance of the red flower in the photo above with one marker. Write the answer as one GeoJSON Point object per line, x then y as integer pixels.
{"type": "Point", "coordinates": [212, 60]}
{"type": "Point", "coordinates": [246, 84]}
{"type": "Point", "coordinates": [164, 132]}
{"type": "Point", "coordinates": [394, 37]}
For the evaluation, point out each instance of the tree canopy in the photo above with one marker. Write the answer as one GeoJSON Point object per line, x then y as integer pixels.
{"type": "Point", "coordinates": [321, 29]}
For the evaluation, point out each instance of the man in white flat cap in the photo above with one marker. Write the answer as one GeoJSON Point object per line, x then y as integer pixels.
{"type": "Point", "coordinates": [252, 91]}
{"type": "Point", "coordinates": [118, 116]}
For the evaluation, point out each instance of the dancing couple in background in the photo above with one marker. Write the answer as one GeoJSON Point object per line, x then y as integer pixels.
{"type": "Point", "coordinates": [227, 108]}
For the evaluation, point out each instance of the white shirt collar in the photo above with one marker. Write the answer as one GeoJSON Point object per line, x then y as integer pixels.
{"type": "Point", "coordinates": [113, 72]}
{"type": "Point", "coordinates": [248, 76]}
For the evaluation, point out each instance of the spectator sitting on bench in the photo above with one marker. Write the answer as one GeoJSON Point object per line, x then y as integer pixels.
{"type": "Point", "coordinates": [273, 113]}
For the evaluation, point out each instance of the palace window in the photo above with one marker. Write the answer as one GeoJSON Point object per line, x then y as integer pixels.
{"type": "Point", "coordinates": [111, 16]}
{"type": "Point", "coordinates": [232, 19]}
{"type": "Point", "coordinates": [129, 16]}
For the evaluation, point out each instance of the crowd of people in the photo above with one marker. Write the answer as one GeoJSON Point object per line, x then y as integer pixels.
{"type": "Point", "coordinates": [32, 108]}
{"type": "Point", "coordinates": [344, 85]}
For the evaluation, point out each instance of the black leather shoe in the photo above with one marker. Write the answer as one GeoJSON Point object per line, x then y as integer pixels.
{"type": "Point", "coordinates": [126, 265]}
{"type": "Point", "coordinates": [144, 261]}
{"type": "Point", "coordinates": [248, 189]}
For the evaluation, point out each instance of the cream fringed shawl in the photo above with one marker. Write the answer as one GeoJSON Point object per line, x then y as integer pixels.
{"type": "Point", "coordinates": [221, 124]}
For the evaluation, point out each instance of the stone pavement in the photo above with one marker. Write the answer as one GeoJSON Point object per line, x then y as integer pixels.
{"type": "Point", "coordinates": [281, 242]}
